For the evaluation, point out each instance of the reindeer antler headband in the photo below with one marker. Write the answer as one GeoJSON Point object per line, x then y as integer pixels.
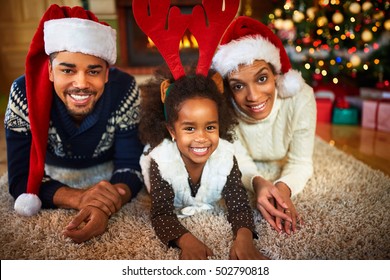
{"type": "Point", "coordinates": [166, 25]}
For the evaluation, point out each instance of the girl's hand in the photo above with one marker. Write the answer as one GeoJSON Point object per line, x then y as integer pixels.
{"type": "Point", "coordinates": [192, 248]}
{"type": "Point", "coordinates": [243, 247]}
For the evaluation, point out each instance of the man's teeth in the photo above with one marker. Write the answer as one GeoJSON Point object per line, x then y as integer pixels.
{"type": "Point", "coordinates": [199, 150]}
{"type": "Point", "coordinates": [79, 97]}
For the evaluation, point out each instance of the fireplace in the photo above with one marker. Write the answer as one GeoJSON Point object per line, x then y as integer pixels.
{"type": "Point", "coordinates": [137, 51]}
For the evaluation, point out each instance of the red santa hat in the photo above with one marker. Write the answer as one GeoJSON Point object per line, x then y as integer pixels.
{"type": "Point", "coordinates": [247, 40]}
{"type": "Point", "coordinates": [60, 29]}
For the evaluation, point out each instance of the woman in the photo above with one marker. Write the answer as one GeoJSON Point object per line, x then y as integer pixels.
{"type": "Point", "coordinates": [276, 112]}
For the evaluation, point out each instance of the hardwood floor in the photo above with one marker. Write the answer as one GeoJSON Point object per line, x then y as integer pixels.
{"type": "Point", "coordinates": [367, 145]}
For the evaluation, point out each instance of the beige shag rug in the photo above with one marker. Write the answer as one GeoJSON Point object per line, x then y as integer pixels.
{"type": "Point", "coordinates": [346, 208]}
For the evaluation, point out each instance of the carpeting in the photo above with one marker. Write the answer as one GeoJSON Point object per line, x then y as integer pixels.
{"type": "Point", "coordinates": [346, 208]}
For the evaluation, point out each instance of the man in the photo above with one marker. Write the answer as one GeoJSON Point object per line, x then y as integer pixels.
{"type": "Point", "coordinates": [72, 124]}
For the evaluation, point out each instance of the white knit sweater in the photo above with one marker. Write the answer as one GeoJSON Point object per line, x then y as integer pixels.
{"type": "Point", "coordinates": [287, 134]}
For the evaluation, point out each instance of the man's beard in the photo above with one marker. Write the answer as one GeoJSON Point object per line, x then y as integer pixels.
{"type": "Point", "coordinates": [80, 114]}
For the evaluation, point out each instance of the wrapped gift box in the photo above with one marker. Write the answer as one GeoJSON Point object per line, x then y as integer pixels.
{"type": "Point", "coordinates": [374, 93]}
{"type": "Point", "coordinates": [376, 114]}
{"type": "Point", "coordinates": [344, 113]}
{"type": "Point", "coordinates": [348, 116]}
{"type": "Point", "coordinates": [324, 110]}
{"type": "Point", "coordinates": [324, 101]}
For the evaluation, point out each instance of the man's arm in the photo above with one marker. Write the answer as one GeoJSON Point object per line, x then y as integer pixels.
{"type": "Point", "coordinates": [128, 148]}
{"type": "Point", "coordinates": [103, 195]}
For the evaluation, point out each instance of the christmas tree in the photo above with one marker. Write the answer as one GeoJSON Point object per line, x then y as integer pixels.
{"type": "Point", "coordinates": [333, 41]}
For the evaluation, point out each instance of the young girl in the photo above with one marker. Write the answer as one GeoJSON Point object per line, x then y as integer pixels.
{"type": "Point", "coordinates": [189, 165]}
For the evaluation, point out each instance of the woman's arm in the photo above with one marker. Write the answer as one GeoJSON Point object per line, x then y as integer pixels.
{"type": "Point", "coordinates": [299, 166]}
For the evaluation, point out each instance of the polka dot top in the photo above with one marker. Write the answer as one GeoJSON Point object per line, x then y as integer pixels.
{"type": "Point", "coordinates": [164, 220]}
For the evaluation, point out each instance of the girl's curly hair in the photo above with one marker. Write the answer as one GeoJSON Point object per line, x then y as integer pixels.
{"type": "Point", "coordinates": [153, 122]}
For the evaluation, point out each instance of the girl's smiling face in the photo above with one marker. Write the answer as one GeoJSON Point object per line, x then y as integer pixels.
{"type": "Point", "coordinates": [253, 87]}
{"type": "Point", "coordinates": [196, 130]}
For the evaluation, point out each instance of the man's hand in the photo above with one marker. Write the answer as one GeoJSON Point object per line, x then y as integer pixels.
{"type": "Point", "coordinates": [96, 204]}
{"type": "Point", "coordinates": [103, 195]}
{"type": "Point", "coordinates": [89, 222]}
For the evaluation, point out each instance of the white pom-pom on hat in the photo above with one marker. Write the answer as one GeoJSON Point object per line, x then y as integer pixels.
{"type": "Point", "coordinates": [290, 83]}
{"type": "Point", "coordinates": [27, 204]}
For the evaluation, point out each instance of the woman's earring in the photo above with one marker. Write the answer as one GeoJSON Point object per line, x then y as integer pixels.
{"type": "Point", "coordinates": [173, 139]}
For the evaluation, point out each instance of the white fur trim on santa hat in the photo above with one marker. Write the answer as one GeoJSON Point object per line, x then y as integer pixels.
{"type": "Point", "coordinates": [27, 204]}
{"type": "Point", "coordinates": [80, 35]}
{"type": "Point", "coordinates": [244, 52]}
{"type": "Point", "coordinates": [290, 83]}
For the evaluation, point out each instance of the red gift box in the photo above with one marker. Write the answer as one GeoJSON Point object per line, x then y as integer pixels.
{"type": "Point", "coordinates": [376, 114]}
{"type": "Point", "coordinates": [324, 110]}
{"type": "Point", "coordinates": [324, 101]}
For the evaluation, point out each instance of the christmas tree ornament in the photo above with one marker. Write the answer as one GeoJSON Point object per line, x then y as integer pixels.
{"type": "Point", "coordinates": [355, 8]}
{"type": "Point", "coordinates": [322, 21]}
{"type": "Point", "coordinates": [298, 16]}
{"type": "Point", "coordinates": [279, 24]}
{"type": "Point", "coordinates": [278, 12]}
{"type": "Point", "coordinates": [387, 25]}
{"type": "Point", "coordinates": [311, 13]}
{"type": "Point", "coordinates": [367, 6]}
{"type": "Point", "coordinates": [367, 35]}
{"type": "Point", "coordinates": [379, 15]}
{"type": "Point", "coordinates": [288, 24]}
{"type": "Point", "coordinates": [355, 60]}
{"type": "Point", "coordinates": [337, 17]}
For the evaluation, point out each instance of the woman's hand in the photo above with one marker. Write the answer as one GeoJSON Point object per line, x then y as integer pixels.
{"type": "Point", "coordinates": [275, 205]}
{"type": "Point", "coordinates": [285, 193]}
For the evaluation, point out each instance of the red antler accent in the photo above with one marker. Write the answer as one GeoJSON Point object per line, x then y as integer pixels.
{"type": "Point", "coordinates": [152, 16]}
{"type": "Point", "coordinates": [219, 13]}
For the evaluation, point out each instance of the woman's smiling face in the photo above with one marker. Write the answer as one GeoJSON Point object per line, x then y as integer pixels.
{"type": "Point", "coordinates": [253, 87]}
